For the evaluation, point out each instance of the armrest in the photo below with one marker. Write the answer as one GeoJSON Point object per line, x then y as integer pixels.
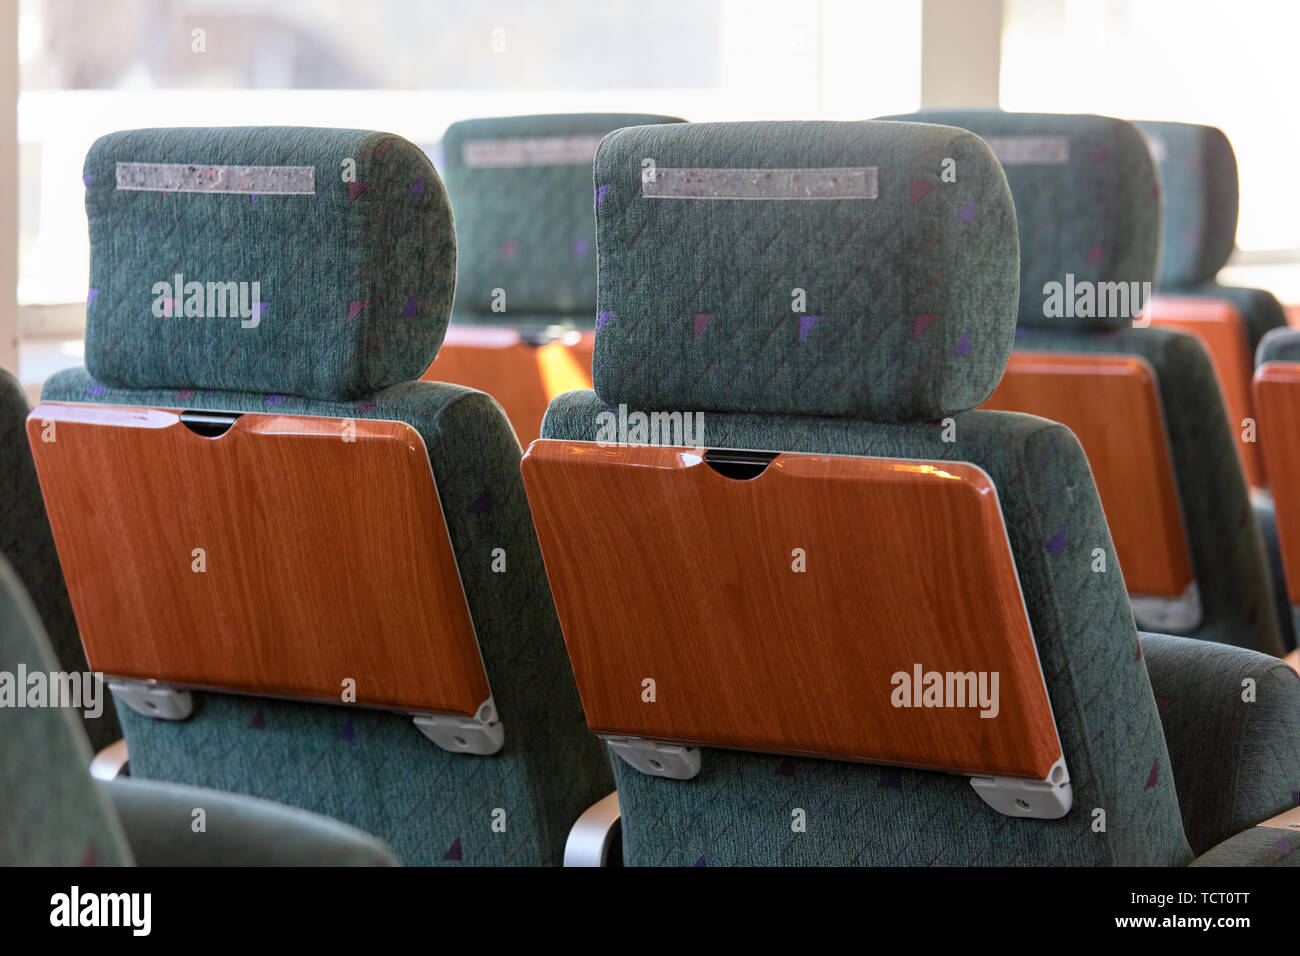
{"type": "Point", "coordinates": [593, 834]}
{"type": "Point", "coordinates": [1235, 761]}
{"type": "Point", "coordinates": [1274, 842]}
{"type": "Point", "coordinates": [109, 762]}
{"type": "Point", "coordinates": [160, 822]}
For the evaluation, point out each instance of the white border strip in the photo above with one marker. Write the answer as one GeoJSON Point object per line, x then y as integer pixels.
{"type": "Point", "coordinates": [530, 151]}
{"type": "Point", "coordinates": [190, 178]}
{"type": "Point", "coordinates": [831, 182]}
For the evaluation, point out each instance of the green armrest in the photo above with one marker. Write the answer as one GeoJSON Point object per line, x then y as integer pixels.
{"type": "Point", "coordinates": [1236, 761]}
{"type": "Point", "coordinates": [1258, 846]}
{"type": "Point", "coordinates": [164, 828]}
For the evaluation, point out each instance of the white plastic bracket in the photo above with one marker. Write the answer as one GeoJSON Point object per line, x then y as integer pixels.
{"type": "Point", "coordinates": [1048, 799]}
{"type": "Point", "coordinates": [1166, 615]}
{"type": "Point", "coordinates": [151, 698]}
{"type": "Point", "coordinates": [481, 734]}
{"type": "Point", "coordinates": [656, 759]}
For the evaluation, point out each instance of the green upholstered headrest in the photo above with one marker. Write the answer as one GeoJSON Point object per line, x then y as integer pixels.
{"type": "Point", "coordinates": [521, 189]}
{"type": "Point", "coordinates": [312, 262]}
{"type": "Point", "coordinates": [815, 268]}
{"type": "Point", "coordinates": [1279, 345]}
{"type": "Point", "coordinates": [1198, 178]}
{"type": "Point", "coordinates": [1088, 207]}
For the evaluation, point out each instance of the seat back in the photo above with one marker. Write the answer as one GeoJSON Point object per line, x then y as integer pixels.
{"type": "Point", "coordinates": [1277, 400]}
{"type": "Point", "coordinates": [797, 602]}
{"type": "Point", "coordinates": [522, 192]}
{"type": "Point", "coordinates": [1198, 180]}
{"type": "Point", "coordinates": [1112, 405]}
{"type": "Point", "coordinates": [299, 525]}
{"type": "Point", "coordinates": [1088, 213]}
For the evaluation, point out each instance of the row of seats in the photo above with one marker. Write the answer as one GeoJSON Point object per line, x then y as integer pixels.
{"type": "Point", "coordinates": [316, 579]}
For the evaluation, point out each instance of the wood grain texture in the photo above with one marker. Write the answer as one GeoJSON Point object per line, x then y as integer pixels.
{"type": "Point", "coordinates": [664, 569]}
{"type": "Point", "coordinates": [495, 360]}
{"type": "Point", "coordinates": [1112, 405]}
{"type": "Point", "coordinates": [1222, 331]}
{"type": "Point", "coordinates": [326, 559]}
{"type": "Point", "coordinates": [1277, 400]}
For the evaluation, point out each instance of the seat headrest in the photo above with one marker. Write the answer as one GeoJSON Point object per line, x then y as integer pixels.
{"type": "Point", "coordinates": [312, 262]}
{"type": "Point", "coordinates": [1198, 179]}
{"type": "Point", "coordinates": [814, 268]}
{"type": "Point", "coordinates": [1279, 345]}
{"type": "Point", "coordinates": [521, 189]}
{"type": "Point", "coordinates": [1088, 207]}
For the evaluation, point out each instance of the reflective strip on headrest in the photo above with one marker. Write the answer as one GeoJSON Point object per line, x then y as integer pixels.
{"type": "Point", "coordinates": [531, 151]}
{"type": "Point", "coordinates": [1030, 150]}
{"type": "Point", "coordinates": [190, 178]}
{"type": "Point", "coordinates": [835, 182]}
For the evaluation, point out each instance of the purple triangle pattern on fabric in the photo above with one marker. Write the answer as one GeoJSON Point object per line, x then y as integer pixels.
{"type": "Point", "coordinates": [417, 187]}
{"type": "Point", "coordinates": [963, 345]}
{"type": "Point", "coordinates": [701, 862]}
{"type": "Point", "coordinates": [806, 324]}
{"type": "Point", "coordinates": [483, 505]}
{"type": "Point", "coordinates": [1154, 776]}
{"type": "Point", "coordinates": [600, 194]}
{"type": "Point", "coordinates": [701, 322]}
{"type": "Point", "coordinates": [348, 732]}
{"type": "Point", "coordinates": [1056, 543]}
{"type": "Point", "coordinates": [967, 212]}
{"type": "Point", "coordinates": [455, 852]}
{"type": "Point", "coordinates": [91, 296]}
{"type": "Point", "coordinates": [355, 190]}
{"type": "Point", "coordinates": [920, 188]}
{"type": "Point", "coordinates": [892, 779]}
{"type": "Point", "coordinates": [410, 311]}
{"type": "Point", "coordinates": [602, 319]}
{"type": "Point", "coordinates": [275, 400]}
{"type": "Point", "coordinates": [355, 307]}
{"type": "Point", "coordinates": [1163, 704]}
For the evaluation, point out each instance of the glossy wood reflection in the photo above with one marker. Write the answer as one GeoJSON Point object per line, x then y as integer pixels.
{"type": "Point", "coordinates": [664, 569]}
{"type": "Point", "coordinates": [323, 558]}
{"type": "Point", "coordinates": [1112, 405]}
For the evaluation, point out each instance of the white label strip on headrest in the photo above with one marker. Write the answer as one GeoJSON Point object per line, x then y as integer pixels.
{"type": "Point", "coordinates": [191, 178]}
{"type": "Point", "coordinates": [1030, 150]}
{"type": "Point", "coordinates": [531, 151]}
{"type": "Point", "coordinates": [834, 182]}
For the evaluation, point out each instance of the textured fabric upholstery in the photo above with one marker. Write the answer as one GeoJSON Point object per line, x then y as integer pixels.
{"type": "Point", "coordinates": [159, 821]}
{"type": "Point", "coordinates": [1223, 535]}
{"type": "Point", "coordinates": [1235, 748]}
{"type": "Point", "coordinates": [527, 227]}
{"type": "Point", "coordinates": [1198, 179]}
{"type": "Point", "coordinates": [356, 280]}
{"type": "Point", "coordinates": [1095, 215]}
{"type": "Point", "coordinates": [26, 541]}
{"type": "Point", "coordinates": [374, 769]}
{"type": "Point", "coordinates": [51, 812]}
{"type": "Point", "coordinates": [737, 811]}
{"type": "Point", "coordinates": [902, 291]}
{"type": "Point", "coordinates": [1258, 846]}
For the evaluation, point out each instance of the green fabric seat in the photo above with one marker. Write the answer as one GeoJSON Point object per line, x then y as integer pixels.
{"type": "Point", "coordinates": [1096, 215]}
{"type": "Point", "coordinates": [26, 541]}
{"type": "Point", "coordinates": [371, 769]}
{"type": "Point", "coordinates": [911, 311]}
{"type": "Point", "coordinates": [1198, 179]}
{"type": "Point", "coordinates": [55, 814]}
